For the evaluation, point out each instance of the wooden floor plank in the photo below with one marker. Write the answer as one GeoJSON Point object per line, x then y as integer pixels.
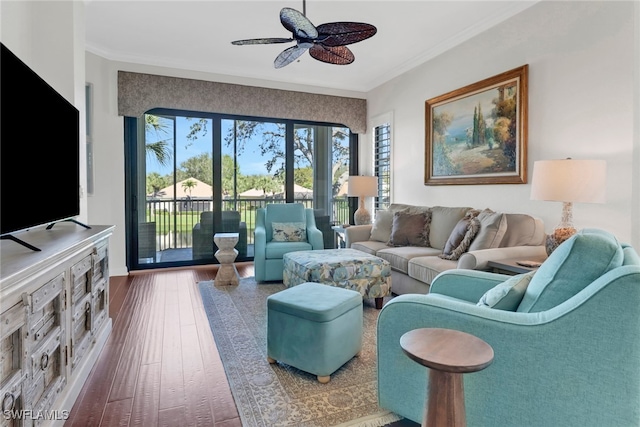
{"type": "Point", "coordinates": [146, 408]}
{"type": "Point", "coordinates": [118, 290]}
{"type": "Point", "coordinates": [154, 334]}
{"type": "Point", "coordinates": [185, 280]}
{"type": "Point", "coordinates": [124, 382]}
{"type": "Point", "coordinates": [117, 414]}
{"type": "Point", "coordinates": [172, 392]}
{"type": "Point", "coordinates": [172, 417]}
{"type": "Point", "coordinates": [198, 408]}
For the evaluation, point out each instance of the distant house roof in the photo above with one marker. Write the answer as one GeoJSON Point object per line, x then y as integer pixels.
{"type": "Point", "coordinates": [299, 191]}
{"type": "Point", "coordinates": [201, 191]}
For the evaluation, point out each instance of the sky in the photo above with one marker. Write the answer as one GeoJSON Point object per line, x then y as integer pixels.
{"type": "Point", "coordinates": [251, 162]}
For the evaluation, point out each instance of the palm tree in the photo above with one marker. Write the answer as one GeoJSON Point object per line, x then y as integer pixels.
{"type": "Point", "coordinates": [159, 149]}
{"type": "Point", "coordinates": [188, 185]}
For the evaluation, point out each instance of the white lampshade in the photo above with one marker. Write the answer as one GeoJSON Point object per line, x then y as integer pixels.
{"type": "Point", "coordinates": [363, 186]}
{"type": "Point", "coordinates": [569, 180]}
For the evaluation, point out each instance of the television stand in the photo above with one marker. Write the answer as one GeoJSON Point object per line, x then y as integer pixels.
{"type": "Point", "coordinates": [21, 242]}
{"type": "Point", "coordinates": [50, 226]}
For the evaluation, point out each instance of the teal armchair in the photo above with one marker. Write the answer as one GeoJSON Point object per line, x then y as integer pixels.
{"type": "Point", "coordinates": [568, 354]}
{"type": "Point", "coordinates": [268, 252]}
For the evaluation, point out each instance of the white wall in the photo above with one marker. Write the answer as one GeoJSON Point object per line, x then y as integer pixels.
{"type": "Point", "coordinates": [582, 58]}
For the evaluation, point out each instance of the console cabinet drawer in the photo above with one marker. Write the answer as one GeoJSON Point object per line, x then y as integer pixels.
{"type": "Point", "coordinates": [48, 374]}
{"type": "Point", "coordinates": [12, 364]}
{"type": "Point", "coordinates": [81, 337]}
{"type": "Point", "coordinates": [12, 329]}
{"type": "Point", "coordinates": [46, 311]}
{"type": "Point", "coordinates": [100, 308]}
{"type": "Point", "coordinates": [46, 293]}
{"type": "Point", "coordinates": [81, 279]}
{"type": "Point", "coordinates": [11, 400]}
{"type": "Point", "coordinates": [100, 261]}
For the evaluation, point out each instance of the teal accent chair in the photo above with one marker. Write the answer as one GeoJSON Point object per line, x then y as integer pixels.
{"type": "Point", "coordinates": [568, 355]}
{"type": "Point", "coordinates": [268, 254]}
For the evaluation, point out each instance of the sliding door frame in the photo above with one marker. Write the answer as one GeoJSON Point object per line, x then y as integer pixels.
{"type": "Point", "coordinates": [132, 154]}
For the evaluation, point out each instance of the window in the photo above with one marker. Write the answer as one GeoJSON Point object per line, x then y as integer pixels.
{"type": "Point", "coordinates": [187, 170]}
{"type": "Point", "coordinates": [382, 164]}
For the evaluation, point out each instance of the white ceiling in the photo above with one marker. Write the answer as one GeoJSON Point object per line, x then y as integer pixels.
{"type": "Point", "coordinates": [197, 35]}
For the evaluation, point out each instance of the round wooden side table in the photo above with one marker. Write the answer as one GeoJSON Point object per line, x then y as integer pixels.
{"type": "Point", "coordinates": [448, 354]}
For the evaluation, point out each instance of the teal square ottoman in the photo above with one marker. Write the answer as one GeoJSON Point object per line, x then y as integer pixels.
{"type": "Point", "coordinates": [314, 328]}
{"type": "Point", "coordinates": [344, 268]}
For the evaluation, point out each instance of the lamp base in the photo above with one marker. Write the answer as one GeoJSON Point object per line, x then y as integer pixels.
{"type": "Point", "coordinates": [559, 235]}
{"type": "Point", "coordinates": [361, 216]}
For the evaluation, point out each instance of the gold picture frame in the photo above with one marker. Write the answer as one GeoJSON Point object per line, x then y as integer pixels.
{"type": "Point", "coordinates": [478, 134]}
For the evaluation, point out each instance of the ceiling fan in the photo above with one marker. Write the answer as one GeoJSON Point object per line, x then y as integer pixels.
{"type": "Point", "coordinates": [326, 42]}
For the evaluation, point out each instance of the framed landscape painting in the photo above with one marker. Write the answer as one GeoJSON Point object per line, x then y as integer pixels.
{"type": "Point", "coordinates": [478, 134]}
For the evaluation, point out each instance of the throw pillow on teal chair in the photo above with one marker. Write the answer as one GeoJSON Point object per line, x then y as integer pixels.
{"type": "Point", "coordinates": [508, 294]}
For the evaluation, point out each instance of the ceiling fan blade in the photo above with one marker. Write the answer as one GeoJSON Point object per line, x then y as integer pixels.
{"type": "Point", "coordinates": [298, 24]}
{"type": "Point", "coordinates": [343, 33]}
{"type": "Point", "coordinates": [289, 55]}
{"type": "Point", "coordinates": [339, 55]}
{"type": "Point", "coordinates": [261, 41]}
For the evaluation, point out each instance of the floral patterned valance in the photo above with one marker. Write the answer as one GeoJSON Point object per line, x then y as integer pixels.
{"type": "Point", "coordinates": [138, 93]}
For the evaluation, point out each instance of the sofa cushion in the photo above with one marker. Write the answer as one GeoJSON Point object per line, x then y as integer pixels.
{"type": "Point", "coordinates": [399, 257]}
{"type": "Point", "coordinates": [289, 232]}
{"type": "Point", "coordinates": [461, 237]}
{"type": "Point", "coordinates": [493, 226]}
{"type": "Point", "coordinates": [410, 229]}
{"type": "Point", "coordinates": [426, 268]}
{"type": "Point", "coordinates": [523, 230]}
{"type": "Point", "coordinates": [574, 265]}
{"type": "Point", "coordinates": [275, 250]}
{"type": "Point", "coordinates": [369, 246]}
{"type": "Point", "coordinates": [381, 230]}
{"type": "Point", "coordinates": [394, 207]}
{"type": "Point", "coordinates": [443, 220]}
{"type": "Point", "coordinates": [508, 294]}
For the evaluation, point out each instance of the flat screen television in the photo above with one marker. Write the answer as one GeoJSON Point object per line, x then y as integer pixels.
{"type": "Point", "coordinates": [39, 150]}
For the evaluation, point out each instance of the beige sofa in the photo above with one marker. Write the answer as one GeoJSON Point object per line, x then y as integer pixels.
{"type": "Point", "coordinates": [414, 265]}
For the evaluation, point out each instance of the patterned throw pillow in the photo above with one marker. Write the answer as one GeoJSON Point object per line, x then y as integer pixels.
{"type": "Point", "coordinates": [289, 232]}
{"type": "Point", "coordinates": [508, 294]}
{"type": "Point", "coordinates": [461, 237]}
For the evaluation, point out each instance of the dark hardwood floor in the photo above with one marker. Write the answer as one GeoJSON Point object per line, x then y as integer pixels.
{"type": "Point", "coordinates": [160, 365]}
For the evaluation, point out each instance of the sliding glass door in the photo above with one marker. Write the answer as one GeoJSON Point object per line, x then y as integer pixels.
{"type": "Point", "coordinates": [193, 175]}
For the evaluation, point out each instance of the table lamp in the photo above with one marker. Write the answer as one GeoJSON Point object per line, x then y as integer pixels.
{"type": "Point", "coordinates": [568, 181]}
{"type": "Point", "coordinates": [361, 187]}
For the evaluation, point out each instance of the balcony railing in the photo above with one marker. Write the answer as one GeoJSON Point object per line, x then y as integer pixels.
{"type": "Point", "coordinates": [174, 219]}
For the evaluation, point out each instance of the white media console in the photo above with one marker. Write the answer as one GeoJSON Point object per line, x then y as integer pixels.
{"type": "Point", "coordinates": [54, 320]}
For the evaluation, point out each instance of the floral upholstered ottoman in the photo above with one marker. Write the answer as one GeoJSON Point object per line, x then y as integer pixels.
{"type": "Point", "coordinates": [344, 268]}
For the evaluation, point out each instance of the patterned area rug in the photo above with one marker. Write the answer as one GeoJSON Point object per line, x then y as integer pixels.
{"type": "Point", "coordinates": [280, 395]}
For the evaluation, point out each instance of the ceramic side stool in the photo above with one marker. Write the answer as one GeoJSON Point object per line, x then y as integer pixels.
{"type": "Point", "coordinates": [315, 328]}
{"type": "Point", "coordinates": [226, 254]}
